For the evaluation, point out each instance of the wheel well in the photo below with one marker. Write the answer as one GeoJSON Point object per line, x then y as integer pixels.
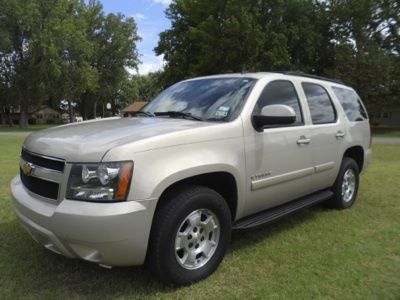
{"type": "Point", "coordinates": [356, 153]}
{"type": "Point", "coordinates": [222, 182]}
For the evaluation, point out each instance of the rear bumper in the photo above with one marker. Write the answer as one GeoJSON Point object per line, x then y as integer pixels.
{"type": "Point", "coordinates": [114, 234]}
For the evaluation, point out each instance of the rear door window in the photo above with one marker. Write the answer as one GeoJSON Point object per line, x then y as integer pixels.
{"type": "Point", "coordinates": [320, 104]}
{"type": "Point", "coordinates": [351, 104]}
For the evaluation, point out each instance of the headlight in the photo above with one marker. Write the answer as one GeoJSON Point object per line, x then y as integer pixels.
{"type": "Point", "coordinates": [108, 181]}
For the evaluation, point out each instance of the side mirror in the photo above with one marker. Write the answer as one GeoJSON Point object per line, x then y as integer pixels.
{"type": "Point", "coordinates": [274, 115]}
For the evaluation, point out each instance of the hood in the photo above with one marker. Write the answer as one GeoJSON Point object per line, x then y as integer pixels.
{"type": "Point", "coordinates": [89, 141]}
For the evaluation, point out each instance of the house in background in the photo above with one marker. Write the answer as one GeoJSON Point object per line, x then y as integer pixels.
{"type": "Point", "coordinates": [42, 115]}
{"type": "Point", "coordinates": [387, 117]}
{"type": "Point", "coordinates": [133, 108]}
{"type": "Point", "coordinates": [46, 115]}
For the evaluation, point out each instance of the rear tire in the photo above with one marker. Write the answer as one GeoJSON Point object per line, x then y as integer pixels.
{"type": "Point", "coordinates": [346, 185]}
{"type": "Point", "coordinates": [190, 234]}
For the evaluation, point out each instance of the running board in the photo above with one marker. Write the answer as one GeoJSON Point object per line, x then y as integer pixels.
{"type": "Point", "coordinates": [283, 210]}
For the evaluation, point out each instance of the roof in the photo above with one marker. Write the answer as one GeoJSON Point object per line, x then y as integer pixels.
{"type": "Point", "coordinates": [135, 106]}
{"type": "Point", "coordinates": [46, 110]}
{"type": "Point", "coordinates": [259, 75]}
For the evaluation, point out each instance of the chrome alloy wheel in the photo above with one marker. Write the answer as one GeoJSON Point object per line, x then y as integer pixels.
{"type": "Point", "coordinates": [197, 239]}
{"type": "Point", "coordinates": [348, 185]}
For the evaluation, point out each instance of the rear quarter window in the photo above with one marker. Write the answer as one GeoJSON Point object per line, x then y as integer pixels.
{"type": "Point", "coordinates": [351, 104]}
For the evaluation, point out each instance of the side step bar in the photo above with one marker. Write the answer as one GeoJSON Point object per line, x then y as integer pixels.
{"type": "Point", "coordinates": [280, 211]}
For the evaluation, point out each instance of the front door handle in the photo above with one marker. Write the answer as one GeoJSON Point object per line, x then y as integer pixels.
{"type": "Point", "coordinates": [303, 140]}
{"type": "Point", "coordinates": [340, 134]}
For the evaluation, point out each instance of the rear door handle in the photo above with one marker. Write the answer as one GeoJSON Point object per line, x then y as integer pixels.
{"type": "Point", "coordinates": [340, 134]}
{"type": "Point", "coordinates": [303, 140]}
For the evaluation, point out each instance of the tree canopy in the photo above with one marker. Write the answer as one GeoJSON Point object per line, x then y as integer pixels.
{"type": "Point", "coordinates": [52, 50]}
{"type": "Point", "coordinates": [356, 41]}
{"type": "Point", "coordinates": [70, 50]}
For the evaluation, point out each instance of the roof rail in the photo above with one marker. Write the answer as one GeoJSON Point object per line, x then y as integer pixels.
{"type": "Point", "coordinates": [299, 73]}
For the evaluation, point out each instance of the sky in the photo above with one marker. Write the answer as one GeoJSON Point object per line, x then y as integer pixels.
{"type": "Point", "coordinates": [151, 20]}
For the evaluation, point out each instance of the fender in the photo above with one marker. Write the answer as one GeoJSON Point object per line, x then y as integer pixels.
{"type": "Point", "coordinates": [156, 170]}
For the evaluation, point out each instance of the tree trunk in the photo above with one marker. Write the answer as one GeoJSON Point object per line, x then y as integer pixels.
{"type": "Point", "coordinates": [71, 117]}
{"type": "Point", "coordinates": [3, 117]}
{"type": "Point", "coordinates": [94, 109]}
{"type": "Point", "coordinates": [10, 120]}
{"type": "Point", "coordinates": [83, 109]}
{"type": "Point", "coordinates": [114, 110]}
{"type": "Point", "coordinates": [23, 118]}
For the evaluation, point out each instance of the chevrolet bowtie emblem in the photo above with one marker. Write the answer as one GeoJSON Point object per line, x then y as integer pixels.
{"type": "Point", "coordinates": [28, 168]}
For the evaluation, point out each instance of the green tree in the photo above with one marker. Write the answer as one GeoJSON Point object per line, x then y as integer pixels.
{"type": "Point", "coordinates": [209, 37]}
{"type": "Point", "coordinates": [356, 41]}
{"type": "Point", "coordinates": [20, 55]}
{"type": "Point", "coordinates": [117, 52]}
{"type": "Point", "coordinates": [114, 38]}
{"type": "Point", "coordinates": [290, 35]}
{"type": "Point", "coordinates": [74, 50]}
{"type": "Point", "coordinates": [147, 86]}
{"type": "Point", "coordinates": [51, 50]}
{"type": "Point", "coordinates": [44, 52]}
{"type": "Point", "coordinates": [363, 49]}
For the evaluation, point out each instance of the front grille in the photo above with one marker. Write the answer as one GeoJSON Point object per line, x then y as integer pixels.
{"type": "Point", "coordinates": [39, 186]}
{"type": "Point", "coordinates": [49, 163]}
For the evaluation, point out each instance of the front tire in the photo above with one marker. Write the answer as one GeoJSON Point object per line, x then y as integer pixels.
{"type": "Point", "coordinates": [346, 185]}
{"type": "Point", "coordinates": [190, 235]}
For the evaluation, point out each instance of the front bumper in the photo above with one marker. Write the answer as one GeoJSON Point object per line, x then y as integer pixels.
{"type": "Point", "coordinates": [112, 234]}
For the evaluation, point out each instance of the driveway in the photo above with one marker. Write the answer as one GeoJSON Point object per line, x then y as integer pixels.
{"type": "Point", "coordinates": [18, 133]}
{"type": "Point", "coordinates": [386, 140]}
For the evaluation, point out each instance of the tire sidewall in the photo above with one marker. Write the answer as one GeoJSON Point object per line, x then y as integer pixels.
{"type": "Point", "coordinates": [348, 163]}
{"type": "Point", "coordinates": [205, 200]}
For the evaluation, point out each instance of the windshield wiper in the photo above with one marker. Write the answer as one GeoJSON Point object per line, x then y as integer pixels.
{"type": "Point", "coordinates": [216, 119]}
{"type": "Point", "coordinates": [144, 113]}
{"type": "Point", "coordinates": [177, 114]}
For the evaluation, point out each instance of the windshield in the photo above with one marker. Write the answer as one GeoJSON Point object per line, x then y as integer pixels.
{"type": "Point", "coordinates": [213, 99]}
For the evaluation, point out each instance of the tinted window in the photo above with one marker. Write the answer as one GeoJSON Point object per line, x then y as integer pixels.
{"type": "Point", "coordinates": [280, 92]}
{"type": "Point", "coordinates": [215, 99]}
{"type": "Point", "coordinates": [320, 104]}
{"type": "Point", "coordinates": [351, 104]}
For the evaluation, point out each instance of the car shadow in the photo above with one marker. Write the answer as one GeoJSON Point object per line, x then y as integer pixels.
{"type": "Point", "coordinates": [29, 269]}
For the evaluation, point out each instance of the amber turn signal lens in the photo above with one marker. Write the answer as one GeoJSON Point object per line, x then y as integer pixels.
{"type": "Point", "coordinates": [124, 181]}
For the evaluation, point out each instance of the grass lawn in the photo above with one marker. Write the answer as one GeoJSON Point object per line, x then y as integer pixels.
{"type": "Point", "coordinates": [388, 134]}
{"type": "Point", "coordinates": [385, 132]}
{"type": "Point", "coordinates": [30, 128]}
{"type": "Point", "coordinates": [317, 253]}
